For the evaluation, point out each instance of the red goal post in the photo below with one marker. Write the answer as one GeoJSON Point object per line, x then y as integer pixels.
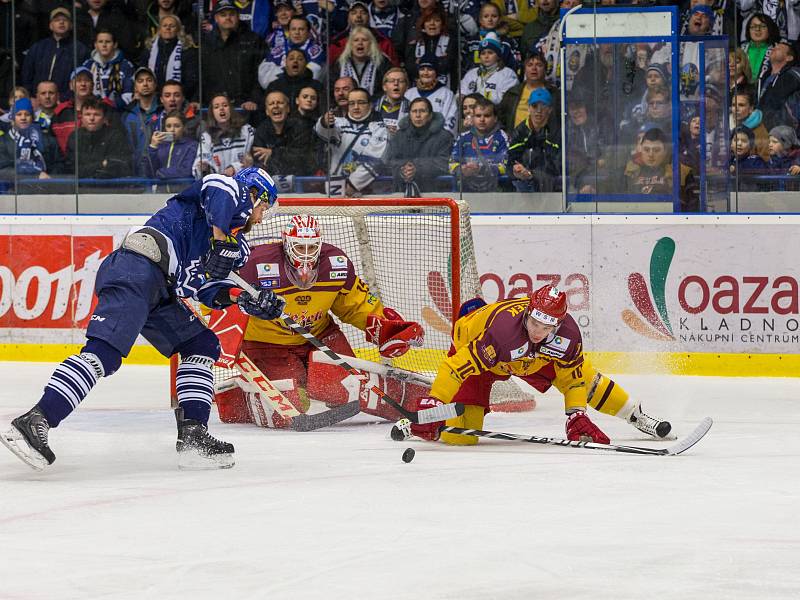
{"type": "Point", "coordinates": [415, 254]}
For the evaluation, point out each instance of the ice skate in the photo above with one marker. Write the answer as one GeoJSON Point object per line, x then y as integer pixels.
{"type": "Point", "coordinates": [661, 430]}
{"type": "Point", "coordinates": [27, 439]}
{"type": "Point", "coordinates": [198, 449]}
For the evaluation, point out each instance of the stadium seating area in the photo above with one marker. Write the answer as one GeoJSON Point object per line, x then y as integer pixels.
{"type": "Point", "coordinates": [360, 98]}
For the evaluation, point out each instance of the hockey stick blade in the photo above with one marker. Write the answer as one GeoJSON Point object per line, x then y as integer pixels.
{"type": "Point", "coordinates": [673, 450]}
{"type": "Point", "coordinates": [327, 418]}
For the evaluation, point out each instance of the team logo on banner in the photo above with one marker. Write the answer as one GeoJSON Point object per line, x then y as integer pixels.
{"type": "Point", "coordinates": [652, 303]}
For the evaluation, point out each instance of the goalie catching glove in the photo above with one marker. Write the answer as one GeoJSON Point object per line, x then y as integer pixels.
{"type": "Point", "coordinates": [267, 305]}
{"type": "Point", "coordinates": [221, 258]}
{"type": "Point", "coordinates": [581, 429]}
{"type": "Point", "coordinates": [392, 334]}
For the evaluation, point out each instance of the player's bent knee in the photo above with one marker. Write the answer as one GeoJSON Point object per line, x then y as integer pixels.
{"type": "Point", "coordinates": [205, 343]}
{"type": "Point", "coordinates": [471, 419]}
{"type": "Point", "coordinates": [102, 356]}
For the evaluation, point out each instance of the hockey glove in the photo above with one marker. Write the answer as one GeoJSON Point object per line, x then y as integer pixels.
{"type": "Point", "coordinates": [267, 305]}
{"type": "Point", "coordinates": [221, 258]}
{"type": "Point", "coordinates": [428, 431]}
{"type": "Point", "coordinates": [392, 334]}
{"type": "Point", "coordinates": [581, 429]}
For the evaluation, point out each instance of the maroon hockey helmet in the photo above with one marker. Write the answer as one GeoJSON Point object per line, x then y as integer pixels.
{"type": "Point", "coordinates": [548, 305]}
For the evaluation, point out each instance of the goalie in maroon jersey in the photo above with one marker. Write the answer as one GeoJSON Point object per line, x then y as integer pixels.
{"type": "Point", "coordinates": [535, 339]}
{"type": "Point", "coordinates": [318, 281]}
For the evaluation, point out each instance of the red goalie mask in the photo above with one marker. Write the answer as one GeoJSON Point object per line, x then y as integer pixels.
{"type": "Point", "coordinates": [548, 305]}
{"type": "Point", "coordinates": [302, 244]}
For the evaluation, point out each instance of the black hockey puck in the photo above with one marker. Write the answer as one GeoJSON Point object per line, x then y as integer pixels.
{"type": "Point", "coordinates": [396, 434]}
{"type": "Point", "coordinates": [663, 429]}
{"type": "Point", "coordinates": [408, 455]}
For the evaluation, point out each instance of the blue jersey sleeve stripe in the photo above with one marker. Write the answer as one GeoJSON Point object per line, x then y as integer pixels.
{"type": "Point", "coordinates": [221, 184]}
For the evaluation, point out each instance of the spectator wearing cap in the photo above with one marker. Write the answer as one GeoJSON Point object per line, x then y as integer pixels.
{"type": "Point", "coordinates": [439, 95]}
{"type": "Point", "coordinates": [392, 106]}
{"type": "Point", "coordinates": [358, 16]}
{"type": "Point", "coordinates": [112, 73]}
{"type": "Point", "coordinates": [435, 43]}
{"type": "Point", "coordinates": [492, 79]}
{"type": "Point", "coordinates": [489, 21]}
{"type": "Point", "coordinates": [25, 149]}
{"type": "Point", "coordinates": [230, 56]}
{"type": "Point", "coordinates": [784, 151]}
{"type": "Point", "coordinates": [478, 157]}
{"type": "Point", "coordinates": [296, 75]}
{"type": "Point", "coordinates": [171, 54]}
{"type": "Point", "coordinates": [67, 115]}
{"type": "Point", "coordinates": [284, 144]}
{"type": "Point", "coordinates": [656, 76]}
{"type": "Point", "coordinates": [546, 16]}
{"type": "Point", "coordinates": [298, 38]}
{"type": "Point", "coordinates": [255, 15]}
{"type": "Point", "coordinates": [278, 35]}
{"type": "Point", "coordinates": [780, 84]}
{"type": "Point", "coordinates": [534, 153]}
{"type": "Point", "coordinates": [363, 60]}
{"type": "Point", "coordinates": [761, 34]}
{"type": "Point", "coordinates": [513, 109]}
{"type": "Point", "coordinates": [745, 114]}
{"type": "Point", "coordinates": [141, 115]}
{"type": "Point", "coordinates": [96, 15]}
{"type": "Point", "coordinates": [418, 153]}
{"type": "Point", "coordinates": [52, 58]}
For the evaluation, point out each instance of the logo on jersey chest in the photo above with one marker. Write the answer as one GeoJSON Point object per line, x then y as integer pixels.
{"type": "Point", "coordinates": [338, 275]}
{"type": "Point", "coordinates": [338, 262]}
{"type": "Point", "coordinates": [302, 300]}
{"type": "Point", "coordinates": [264, 270]}
{"type": "Point", "coordinates": [519, 352]}
{"type": "Point", "coordinates": [556, 348]}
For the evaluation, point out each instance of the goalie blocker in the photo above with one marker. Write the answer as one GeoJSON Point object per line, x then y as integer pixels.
{"type": "Point", "coordinates": [327, 383]}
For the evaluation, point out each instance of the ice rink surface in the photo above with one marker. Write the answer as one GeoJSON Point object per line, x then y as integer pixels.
{"type": "Point", "coordinates": [336, 513]}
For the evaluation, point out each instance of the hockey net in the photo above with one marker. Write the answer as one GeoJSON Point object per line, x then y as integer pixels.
{"type": "Point", "coordinates": [416, 255]}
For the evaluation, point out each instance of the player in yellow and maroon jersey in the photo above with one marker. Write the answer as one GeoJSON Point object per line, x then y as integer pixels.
{"type": "Point", "coordinates": [318, 281]}
{"type": "Point", "coordinates": [535, 339]}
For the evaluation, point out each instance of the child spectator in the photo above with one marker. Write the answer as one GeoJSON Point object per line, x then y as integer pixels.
{"type": "Point", "coordinates": [479, 155]}
{"type": "Point", "coordinates": [489, 21]}
{"type": "Point", "coordinates": [491, 78]}
{"type": "Point", "coordinates": [744, 159]}
{"type": "Point", "coordinates": [112, 73]}
{"type": "Point", "coordinates": [25, 146]}
{"type": "Point", "coordinates": [226, 143]}
{"type": "Point", "coordinates": [784, 157]}
{"type": "Point", "coordinates": [170, 155]}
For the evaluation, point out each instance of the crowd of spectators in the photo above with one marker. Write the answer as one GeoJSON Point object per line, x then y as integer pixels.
{"type": "Point", "coordinates": [396, 95]}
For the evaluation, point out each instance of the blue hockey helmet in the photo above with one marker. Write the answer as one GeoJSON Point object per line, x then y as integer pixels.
{"type": "Point", "coordinates": [254, 177]}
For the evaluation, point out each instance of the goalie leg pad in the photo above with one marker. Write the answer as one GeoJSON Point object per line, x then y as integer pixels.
{"type": "Point", "coordinates": [232, 406]}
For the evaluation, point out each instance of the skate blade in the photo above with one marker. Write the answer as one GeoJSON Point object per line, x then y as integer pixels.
{"type": "Point", "coordinates": [19, 446]}
{"type": "Point", "coordinates": [194, 461]}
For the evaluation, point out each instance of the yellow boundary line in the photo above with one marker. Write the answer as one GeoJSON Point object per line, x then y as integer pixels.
{"type": "Point", "coordinates": [673, 363]}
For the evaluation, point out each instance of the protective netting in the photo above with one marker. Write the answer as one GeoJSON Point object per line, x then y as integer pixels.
{"type": "Point", "coordinates": [410, 252]}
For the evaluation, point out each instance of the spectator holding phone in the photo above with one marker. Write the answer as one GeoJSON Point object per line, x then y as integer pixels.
{"type": "Point", "coordinates": [170, 155]}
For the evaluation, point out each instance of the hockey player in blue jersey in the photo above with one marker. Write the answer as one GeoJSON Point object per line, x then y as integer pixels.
{"type": "Point", "coordinates": [185, 250]}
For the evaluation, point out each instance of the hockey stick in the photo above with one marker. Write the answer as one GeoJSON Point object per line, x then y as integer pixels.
{"type": "Point", "coordinates": [678, 448]}
{"type": "Point", "coordinates": [397, 373]}
{"type": "Point", "coordinates": [429, 415]}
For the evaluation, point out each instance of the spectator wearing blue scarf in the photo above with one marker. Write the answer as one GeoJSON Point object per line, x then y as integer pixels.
{"type": "Point", "coordinates": [24, 147]}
